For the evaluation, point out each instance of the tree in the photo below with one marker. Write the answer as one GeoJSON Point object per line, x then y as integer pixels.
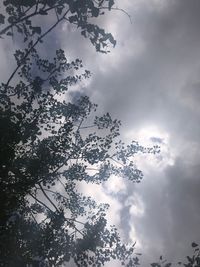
{"type": "Point", "coordinates": [45, 143]}
{"type": "Point", "coordinates": [49, 145]}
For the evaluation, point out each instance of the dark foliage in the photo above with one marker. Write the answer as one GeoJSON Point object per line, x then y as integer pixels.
{"type": "Point", "coordinates": [50, 144]}
{"type": "Point", "coordinates": [22, 17]}
{"type": "Point", "coordinates": [45, 151]}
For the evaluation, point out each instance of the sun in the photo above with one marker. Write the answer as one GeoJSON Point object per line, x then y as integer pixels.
{"type": "Point", "coordinates": [153, 135]}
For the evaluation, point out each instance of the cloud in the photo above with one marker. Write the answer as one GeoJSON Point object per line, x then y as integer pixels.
{"type": "Point", "coordinates": [171, 220]}
{"type": "Point", "coordinates": [150, 79]}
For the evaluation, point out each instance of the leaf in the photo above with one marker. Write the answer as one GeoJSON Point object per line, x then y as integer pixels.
{"type": "Point", "coordinates": [73, 19]}
{"type": "Point", "coordinates": [37, 30]}
{"type": "Point", "coordinates": [154, 264]}
{"type": "Point", "coordinates": [19, 30]}
{"type": "Point", "coordinates": [84, 33]}
{"type": "Point", "coordinates": [189, 259]}
{"type": "Point", "coordinates": [194, 245]}
{"type": "Point", "coordinates": [42, 12]}
{"type": "Point", "coordinates": [110, 4]}
{"type": "Point", "coordinates": [2, 19]}
{"type": "Point", "coordinates": [28, 22]}
{"type": "Point", "coordinates": [59, 10]}
{"type": "Point", "coordinates": [95, 12]}
{"type": "Point", "coordinates": [9, 34]}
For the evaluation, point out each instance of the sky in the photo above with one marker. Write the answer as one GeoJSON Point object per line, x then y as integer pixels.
{"type": "Point", "coordinates": [150, 81]}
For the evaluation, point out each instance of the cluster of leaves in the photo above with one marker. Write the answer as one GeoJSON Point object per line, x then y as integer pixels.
{"type": "Point", "coordinates": [19, 16]}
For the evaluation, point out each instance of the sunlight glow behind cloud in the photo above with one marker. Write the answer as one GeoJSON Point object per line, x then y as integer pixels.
{"type": "Point", "coordinates": [149, 136]}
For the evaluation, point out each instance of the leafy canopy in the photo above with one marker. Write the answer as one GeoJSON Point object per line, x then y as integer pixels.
{"type": "Point", "coordinates": [46, 149]}
{"type": "Point", "coordinates": [50, 144]}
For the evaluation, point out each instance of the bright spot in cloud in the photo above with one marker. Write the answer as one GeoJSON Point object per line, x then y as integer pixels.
{"type": "Point", "coordinates": [134, 238]}
{"type": "Point", "coordinates": [136, 210]}
{"type": "Point", "coordinates": [115, 185]}
{"type": "Point", "coordinates": [148, 136]}
{"type": "Point", "coordinates": [136, 205]}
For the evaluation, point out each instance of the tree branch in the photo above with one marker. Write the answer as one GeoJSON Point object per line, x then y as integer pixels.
{"type": "Point", "coordinates": [33, 46]}
{"type": "Point", "coordinates": [35, 13]}
{"type": "Point", "coordinates": [39, 201]}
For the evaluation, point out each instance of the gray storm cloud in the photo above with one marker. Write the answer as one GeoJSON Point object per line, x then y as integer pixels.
{"type": "Point", "coordinates": [151, 78]}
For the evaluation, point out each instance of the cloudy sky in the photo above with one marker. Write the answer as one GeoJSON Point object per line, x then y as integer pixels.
{"type": "Point", "coordinates": [151, 82]}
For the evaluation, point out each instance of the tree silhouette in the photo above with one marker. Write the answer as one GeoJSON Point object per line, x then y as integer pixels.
{"type": "Point", "coordinates": [50, 144]}
{"type": "Point", "coordinates": [45, 150]}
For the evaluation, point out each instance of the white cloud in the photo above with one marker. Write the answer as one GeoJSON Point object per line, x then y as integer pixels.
{"type": "Point", "coordinates": [115, 185]}
{"type": "Point", "coordinates": [100, 196]}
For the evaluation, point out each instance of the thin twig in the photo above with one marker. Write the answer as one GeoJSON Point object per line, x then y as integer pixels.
{"type": "Point", "coordinates": [53, 192]}
{"type": "Point", "coordinates": [117, 161]}
{"type": "Point", "coordinates": [48, 198]}
{"type": "Point", "coordinates": [33, 217]}
{"type": "Point", "coordinates": [56, 14]}
{"type": "Point", "coordinates": [29, 8]}
{"type": "Point", "coordinates": [85, 127]}
{"type": "Point", "coordinates": [62, 183]}
{"type": "Point", "coordinates": [39, 201]}
{"type": "Point", "coordinates": [36, 8]}
{"type": "Point", "coordinates": [77, 231]}
{"type": "Point", "coordinates": [119, 9]}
